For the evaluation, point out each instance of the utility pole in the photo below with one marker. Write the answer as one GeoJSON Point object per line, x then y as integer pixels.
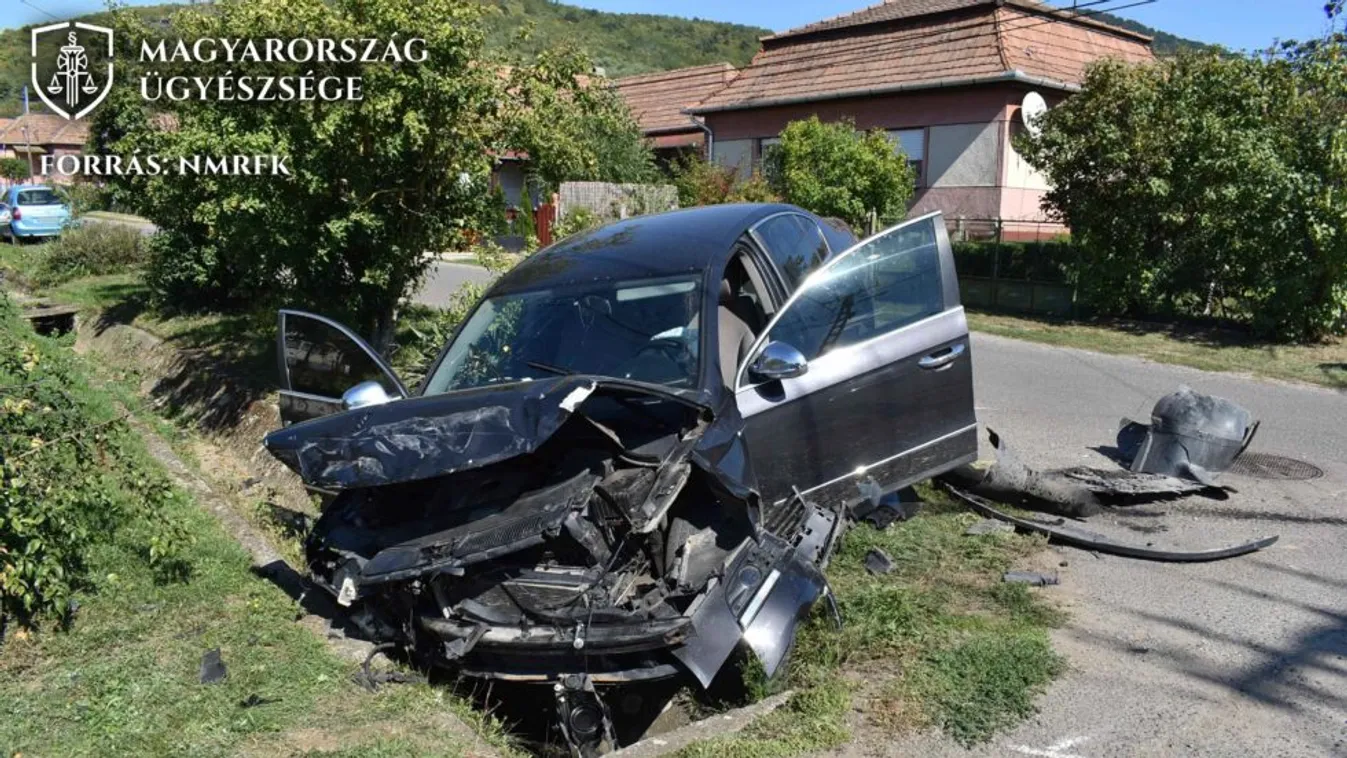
{"type": "Point", "coordinates": [27, 140]}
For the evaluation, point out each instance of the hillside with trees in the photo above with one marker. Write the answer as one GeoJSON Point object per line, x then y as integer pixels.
{"type": "Point", "coordinates": [1164, 43]}
{"type": "Point", "coordinates": [619, 43]}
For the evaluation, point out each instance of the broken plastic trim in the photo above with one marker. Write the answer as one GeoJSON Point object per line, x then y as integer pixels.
{"type": "Point", "coordinates": [1092, 541]}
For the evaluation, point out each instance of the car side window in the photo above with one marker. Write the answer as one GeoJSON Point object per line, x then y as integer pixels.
{"type": "Point", "coordinates": [795, 245]}
{"type": "Point", "coordinates": [887, 283]}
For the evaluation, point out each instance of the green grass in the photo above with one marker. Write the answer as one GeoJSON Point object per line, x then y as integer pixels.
{"type": "Point", "coordinates": [1208, 349]}
{"type": "Point", "coordinates": [937, 642]}
{"type": "Point", "coordinates": [123, 680]}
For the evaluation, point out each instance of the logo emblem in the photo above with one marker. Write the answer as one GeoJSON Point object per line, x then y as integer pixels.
{"type": "Point", "coordinates": [67, 66]}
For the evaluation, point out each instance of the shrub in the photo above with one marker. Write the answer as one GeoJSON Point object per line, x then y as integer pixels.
{"type": "Point", "coordinates": [86, 196]}
{"type": "Point", "coordinates": [91, 250]}
{"type": "Point", "coordinates": [72, 475]}
{"type": "Point", "coordinates": [1052, 261]}
{"type": "Point", "coordinates": [576, 220]}
{"type": "Point", "coordinates": [14, 169]}
{"type": "Point", "coordinates": [424, 331]}
{"type": "Point", "coordinates": [833, 169]}
{"type": "Point", "coordinates": [700, 182]}
{"type": "Point", "coordinates": [754, 190]}
{"type": "Point", "coordinates": [1209, 184]}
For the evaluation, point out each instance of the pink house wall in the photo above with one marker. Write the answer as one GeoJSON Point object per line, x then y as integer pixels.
{"type": "Point", "coordinates": [1008, 198]}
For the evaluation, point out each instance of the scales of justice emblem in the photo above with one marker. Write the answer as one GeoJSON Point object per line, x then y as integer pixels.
{"type": "Point", "coordinates": [73, 87]}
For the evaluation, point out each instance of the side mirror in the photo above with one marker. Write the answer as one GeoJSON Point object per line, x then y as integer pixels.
{"type": "Point", "coordinates": [779, 360]}
{"type": "Point", "coordinates": [364, 395]}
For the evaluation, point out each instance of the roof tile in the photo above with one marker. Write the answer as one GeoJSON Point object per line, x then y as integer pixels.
{"type": "Point", "coordinates": [657, 100]}
{"type": "Point", "coordinates": [44, 129]}
{"type": "Point", "coordinates": [894, 10]}
{"type": "Point", "coordinates": [985, 42]}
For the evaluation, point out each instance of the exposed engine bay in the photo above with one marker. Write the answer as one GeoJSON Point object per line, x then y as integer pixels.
{"type": "Point", "coordinates": [578, 532]}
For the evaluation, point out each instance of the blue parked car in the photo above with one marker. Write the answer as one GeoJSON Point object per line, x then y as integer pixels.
{"type": "Point", "coordinates": [30, 211]}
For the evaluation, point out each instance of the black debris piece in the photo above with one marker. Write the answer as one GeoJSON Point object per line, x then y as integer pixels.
{"type": "Point", "coordinates": [1029, 577]}
{"type": "Point", "coordinates": [1076, 492]}
{"type": "Point", "coordinates": [253, 700]}
{"type": "Point", "coordinates": [881, 510]}
{"type": "Point", "coordinates": [1191, 435]}
{"type": "Point", "coordinates": [878, 562]}
{"type": "Point", "coordinates": [213, 667]}
{"type": "Point", "coordinates": [1059, 531]}
{"type": "Point", "coordinates": [989, 526]}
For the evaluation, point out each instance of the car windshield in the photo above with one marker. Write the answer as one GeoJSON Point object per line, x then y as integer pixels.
{"type": "Point", "coordinates": [643, 330]}
{"type": "Point", "coordinates": [37, 197]}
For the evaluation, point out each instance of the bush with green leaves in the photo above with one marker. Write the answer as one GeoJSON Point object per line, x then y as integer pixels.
{"type": "Point", "coordinates": [91, 250]}
{"type": "Point", "coordinates": [833, 169]}
{"type": "Point", "coordinates": [373, 183]}
{"type": "Point", "coordinates": [700, 182]}
{"type": "Point", "coordinates": [86, 196]}
{"type": "Point", "coordinates": [14, 169]}
{"type": "Point", "coordinates": [576, 220]}
{"type": "Point", "coordinates": [1048, 261]}
{"type": "Point", "coordinates": [72, 475]}
{"type": "Point", "coordinates": [1209, 184]}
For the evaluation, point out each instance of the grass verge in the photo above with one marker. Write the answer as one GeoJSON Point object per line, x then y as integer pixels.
{"type": "Point", "coordinates": [939, 642]}
{"type": "Point", "coordinates": [1209, 349]}
{"type": "Point", "coordinates": [122, 677]}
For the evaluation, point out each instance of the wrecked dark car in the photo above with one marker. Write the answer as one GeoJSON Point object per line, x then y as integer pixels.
{"type": "Point", "coordinates": [637, 453]}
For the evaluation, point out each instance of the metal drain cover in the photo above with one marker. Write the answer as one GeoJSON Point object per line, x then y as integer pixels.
{"type": "Point", "coordinates": [1265, 466]}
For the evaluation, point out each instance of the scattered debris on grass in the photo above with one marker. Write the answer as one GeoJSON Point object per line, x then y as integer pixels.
{"type": "Point", "coordinates": [878, 562]}
{"type": "Point", "coordinates": [213, 667]}
{"type": "Point", "coordinates": [989, 526]}
{"type": "Point", "coordinates": [1031, 578]}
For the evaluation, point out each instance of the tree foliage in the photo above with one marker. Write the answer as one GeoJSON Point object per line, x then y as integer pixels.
{"type": "Point", "coordinates": [14, 169]}
{"type": "Point", "coordinates": [373, 184]}
{"type": "Point", "coordinates": [1208, 184]}
{"type": "Point", "coordinates": [834, 170]}
{"type": "Point", "coordinates": [700, 182]}
{"type": "Point", "coordinates": [73, 476]}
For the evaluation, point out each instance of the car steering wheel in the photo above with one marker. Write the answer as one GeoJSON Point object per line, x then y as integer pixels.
{"type": "Point", "coordinates": [677, 350]}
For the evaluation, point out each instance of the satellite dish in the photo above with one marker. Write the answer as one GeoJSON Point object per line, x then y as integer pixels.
{"type": "Point", "coordinates": [1032, 107]}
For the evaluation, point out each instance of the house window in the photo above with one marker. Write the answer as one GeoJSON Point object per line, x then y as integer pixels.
{"type": "Point", "coordinates": [736, 154]}
{"type": "Point", "coordinates": [764, 144]}
{"type": "Point", "coordinates": [913, 144]}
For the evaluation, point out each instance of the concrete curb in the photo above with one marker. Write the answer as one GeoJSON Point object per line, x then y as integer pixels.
{"type": "Point", "coordinates": [709, 728]}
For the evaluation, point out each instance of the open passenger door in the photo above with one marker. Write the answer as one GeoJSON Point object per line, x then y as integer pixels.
{"type": "Point", "coordinates": [321, 361]}
{"type": "Point", "coordinates": [863, 382]}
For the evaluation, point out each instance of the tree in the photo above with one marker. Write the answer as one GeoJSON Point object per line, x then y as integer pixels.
{"type": "Point", "coordinates": [1208, 184]}
{"type": "Point", "coordinates": [371, 184]}
{"type": "Point", "coordinates": [14, 169]}
{"type": "Point", "coordinates": [834, 170]}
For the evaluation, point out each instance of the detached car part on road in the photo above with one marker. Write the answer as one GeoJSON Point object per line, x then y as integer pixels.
{"type": "Point", "coordinates": [637, 453]}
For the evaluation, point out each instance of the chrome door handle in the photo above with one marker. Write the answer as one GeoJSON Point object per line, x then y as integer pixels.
{"type": "Point", "coordinates": [942, 358]}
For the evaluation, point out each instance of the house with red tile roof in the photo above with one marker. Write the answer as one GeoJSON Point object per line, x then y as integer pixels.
{"type": "Point", "coordinates": [659, 102]}
{"type": "Point", "coordinates": [36, 134]}
{"type": "Point", "coordinates": [945, 78]}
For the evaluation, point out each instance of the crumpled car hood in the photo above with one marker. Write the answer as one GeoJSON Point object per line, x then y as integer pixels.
{"type": "Point", "coordinates": [431, 436]}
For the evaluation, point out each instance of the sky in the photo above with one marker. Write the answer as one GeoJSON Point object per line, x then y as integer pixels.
{"type": "Point", "coordinates": [1239, 24]}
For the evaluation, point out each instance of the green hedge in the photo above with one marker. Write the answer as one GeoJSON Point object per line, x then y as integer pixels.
{"type": "Point", "coordinates": [1048, 262]}
{"type": "Point", "coordinates": [73, 475]}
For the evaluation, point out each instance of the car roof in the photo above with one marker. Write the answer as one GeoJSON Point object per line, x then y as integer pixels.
{"type": "Point", "coordinates": [642, 247]}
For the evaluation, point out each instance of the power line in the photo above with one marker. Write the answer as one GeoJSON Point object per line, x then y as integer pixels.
{"type": "Point", "coordinates": [41, 10]}
{"type": "Point", "coordinates": [868, 50]}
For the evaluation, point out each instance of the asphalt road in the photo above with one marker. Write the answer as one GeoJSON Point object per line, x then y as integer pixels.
{"type": "Point", "coordinates": [1234, 658]}
{"type": "Point", "coordinates": [444, 279]}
